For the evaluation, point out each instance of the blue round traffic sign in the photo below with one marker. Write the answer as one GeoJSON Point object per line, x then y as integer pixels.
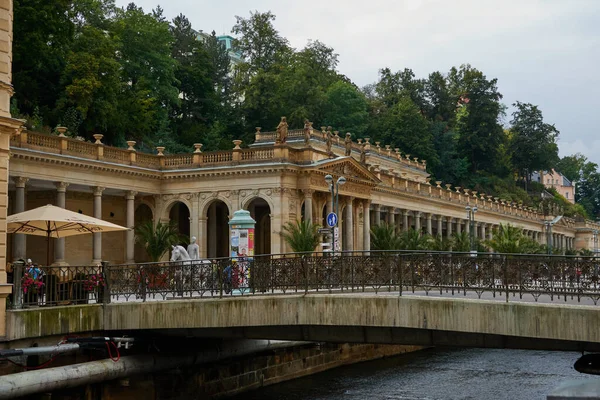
{"type": "Point", "coordinates": [332, 219]}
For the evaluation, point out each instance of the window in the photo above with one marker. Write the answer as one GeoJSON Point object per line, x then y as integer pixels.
{"type": "Point", "coordinates": [567, 195]}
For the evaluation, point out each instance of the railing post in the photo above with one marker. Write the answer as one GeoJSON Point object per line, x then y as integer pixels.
{"type": "Point", "coordinates": [132, 152]}
{"type": "Point", "coordinates": [400, 273]}
{"type": "Point", "coordinates": [305, 271]}
{"type": "Point", "coordinates": [105, 275]}
{"type": "Point", "coordinates": [505, 269]}
{"type": "Point", "coordinates": [99, 146]}
{"type": "Point", "coordinates": [17, 289]}
{"type": "Point", "coordinates": [197, 157]}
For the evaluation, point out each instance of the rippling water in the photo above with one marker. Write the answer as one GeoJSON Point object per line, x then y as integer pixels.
{"type": "Point", "coordinates": [435, 374]}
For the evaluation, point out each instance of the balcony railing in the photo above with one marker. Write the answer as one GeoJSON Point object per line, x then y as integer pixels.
{"type": "Point", "coordinates": [505, 277]}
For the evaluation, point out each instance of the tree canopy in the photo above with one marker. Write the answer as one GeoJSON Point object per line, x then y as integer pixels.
{"type": "Point", "coordinates": [129, 73]}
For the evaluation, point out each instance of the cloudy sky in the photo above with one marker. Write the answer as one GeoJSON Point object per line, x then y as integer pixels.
{"type": "Point", "coordinates": [544, 52]}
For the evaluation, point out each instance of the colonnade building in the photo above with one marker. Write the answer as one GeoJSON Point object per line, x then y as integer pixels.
{"type": "Point", "coordinates": [276, 180]}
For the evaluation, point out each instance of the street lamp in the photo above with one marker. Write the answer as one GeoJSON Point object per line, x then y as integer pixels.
{"type": "Point", "coordinates": [548, 225]}
{"type": "Point", "coordinates": [471, 217]}
{"type": "Point", "coordinates": [335, 191]}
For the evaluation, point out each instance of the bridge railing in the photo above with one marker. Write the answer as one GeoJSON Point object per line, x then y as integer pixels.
{"type": "Point", "coordinates": [510, 277]}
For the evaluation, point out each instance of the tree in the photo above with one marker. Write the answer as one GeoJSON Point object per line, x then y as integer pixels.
{"type": "Point", "coordinates": [533, 142]}
{"type": "Point", "coordinates": [414, 240]}
{"type": "Point", "coordinates": [510, 239]}
{"type": "Point", "coordinates": [480, 135]}
{"type": "Point", "coordinates": [148, 71]}
{"type": "Point", "coordinates": [157, 239]}
{"type": "Point", "coordinates": [301, 236]}
{"type": "Point", "coordinates": [346, 109]}
{"type": "Point", "coordinates": [384, 237]}
{"type": "Point", "coordinates": [259, 42]}
{"type": "Point", "coordinates": [403, 126]}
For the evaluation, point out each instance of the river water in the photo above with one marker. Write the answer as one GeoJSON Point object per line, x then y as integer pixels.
{"type": "Point", "coordinates": [433, 374]}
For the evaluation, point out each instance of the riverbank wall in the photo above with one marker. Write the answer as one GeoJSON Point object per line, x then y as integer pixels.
{"type": "Point", "coordinates": [234, 376]}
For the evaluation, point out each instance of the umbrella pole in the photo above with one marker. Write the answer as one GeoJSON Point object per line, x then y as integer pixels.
{"type": "Point", "coordinates": [48, 246]}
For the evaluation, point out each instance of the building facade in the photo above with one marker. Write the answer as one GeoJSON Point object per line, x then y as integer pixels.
{"type": "Point", "coordinates": [276, 180]}
{"type": "Point", "coordinates": [556, 180]}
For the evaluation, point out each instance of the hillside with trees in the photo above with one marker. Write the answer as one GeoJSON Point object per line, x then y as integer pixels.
{"type": "Point", "coordinates": [129, 73]}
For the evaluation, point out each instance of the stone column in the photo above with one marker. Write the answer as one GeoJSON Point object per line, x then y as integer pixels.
{"type": "Point", "coordinates": [19, 240]}
{"type": "Point", "coordinates": [366, 226]}
{"type": "Point", "coordinates": [130, 234]}
{"type": "Point", "coordinates": [440, 226]}
{"type": "Point", "coordinates": [308, 204]}
{"type": "Point", "coordinates": [491, 232]}
{"type": "Point", "coordinates": [377, 209]}
{"type": "Point", "coordinates": [458, 226]}
{"type": "Point", "coordinates": [391, 216]}
{"type": "Point", "coordinates": [449, 227]}
{"type": "Point", "coordinates": [429, 225]}
{"type": "Point", "coordinates": [212, 231]}
{"type": "Point", "coordinates": [349, 225]}
{"type": "Point", "coordinates": [202, 240]}
{"type": "Point", "coordinates": [97, 252]}
{"type": "Point", "coordinates": [467, 227]}
{"type": "Point", "coordinates": [404, 220]}
{"type": "Point", "coordinates": [483, 226]}
{"type": "Point", "coordinates": [417, 221]}
{"type": "Point", "coordinates": [59, 244]}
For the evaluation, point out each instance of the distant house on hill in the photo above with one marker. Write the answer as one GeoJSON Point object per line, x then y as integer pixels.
{"type": "Point", "coordinates": [557, 181]}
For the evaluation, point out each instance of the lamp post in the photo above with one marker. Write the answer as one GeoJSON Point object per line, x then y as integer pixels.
{"type": "Point", "coordinates": [335, 192]}
{"type": "Point", "coordinates": [548, 237]}
{"type": "Point", "coordinates": [471, 217]}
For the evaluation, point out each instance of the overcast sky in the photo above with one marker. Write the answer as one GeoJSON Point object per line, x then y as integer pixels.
{"type": "Point", "coordinates": [544, 52]}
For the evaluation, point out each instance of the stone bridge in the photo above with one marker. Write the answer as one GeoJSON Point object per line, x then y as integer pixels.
{"type": "Point", "coordinates": [352, 317]}
{"type": "Point", "coordinates": [534, 302]}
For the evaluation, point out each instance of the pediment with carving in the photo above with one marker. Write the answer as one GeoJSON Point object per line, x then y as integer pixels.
{"type": "Point", "coordinates": [349, 168]}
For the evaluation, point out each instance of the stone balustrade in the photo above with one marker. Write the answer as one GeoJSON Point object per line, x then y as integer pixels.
{"type": "Point", "coordinates": [390, 179]}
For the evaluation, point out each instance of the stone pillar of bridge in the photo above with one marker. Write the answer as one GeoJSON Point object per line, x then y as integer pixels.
{"type": "Point", "coordinates": [366, 225]}
{"type": "Point", "coordinates": [404, 220]}
{"type": "Point", "coordinates": [308, 204]}
{"type": "Point", "coordinates": [377, 213]}
{"type": "Point", "coordinates": [428, 225]}
{"type": "Point", "coordinates": [59, 244]}
{"type": "Point", "coordinates": [349, 225]}
{"type": "Point", "coordinates": [440, 226]}
{"type": "Point", "coordinates": [130, 223]}
{"type": "Point", "coordinates": [19, 245]}
{"type": "Point", "coordinates": [417, 215]}
{"type": "Point", "coordinates": [449, 227]}
{"type": "Point", "coordinates": [97, 250]}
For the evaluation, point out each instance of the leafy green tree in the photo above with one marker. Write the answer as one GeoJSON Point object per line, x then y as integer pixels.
{"type": "Point", "coordinates": [415, 240]}
{"type": "Point", "coordinates": [259, 42]}
{"type": "Point", "coordinates": [194, 74]}
{"type": "Point", "coordinates": [157, 239]}
{"type": "Point", "coordinates": [480, 135]}
{"type": "Point", "coordinates": [510, 239]}
{"type": "Point", "coordinates": [533, 142]}
{"type": "Point", "coordinates": [385, 237]}
{"type": "Point", "coordinates": [403, 126]}
{"type": "Point", "coordinates": [572, 166]}
{"type": "Point", "coordinates": [461, 242]}
{"type": "Point", "coordinates": [148, 71]}
{"type": "Point", "coordinates": [440, 243]}
{"type": "Point", "coordinates": [301, 236]}
{"type": "Point", "coordinates": [346, 109]}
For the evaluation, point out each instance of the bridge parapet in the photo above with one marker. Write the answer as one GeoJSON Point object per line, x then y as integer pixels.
{"type": "Point", "coordinates": [502, 276]}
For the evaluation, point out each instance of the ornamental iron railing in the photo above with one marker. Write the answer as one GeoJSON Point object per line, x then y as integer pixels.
{"type": "Point", "coordinates": [501, 276]}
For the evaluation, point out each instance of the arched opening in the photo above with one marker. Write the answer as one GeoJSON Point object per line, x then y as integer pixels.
{"type": "Point", "coordinates": [261, 212]}
{"type": "Point", "coordinates": [303, 211]}
{"type": "Point", "coordinates": [179, 215]}
{"type": "Point", "coordinates": [143, 213]}
{"type": "Point", "coordinates": [217, 230]}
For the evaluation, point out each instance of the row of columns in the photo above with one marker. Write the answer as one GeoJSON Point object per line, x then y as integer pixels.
{"type": "Point", "coordinates": [19, 240]}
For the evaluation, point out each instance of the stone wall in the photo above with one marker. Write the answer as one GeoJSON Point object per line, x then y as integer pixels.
{"type": "Point", "coordinates": [224, 379]}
